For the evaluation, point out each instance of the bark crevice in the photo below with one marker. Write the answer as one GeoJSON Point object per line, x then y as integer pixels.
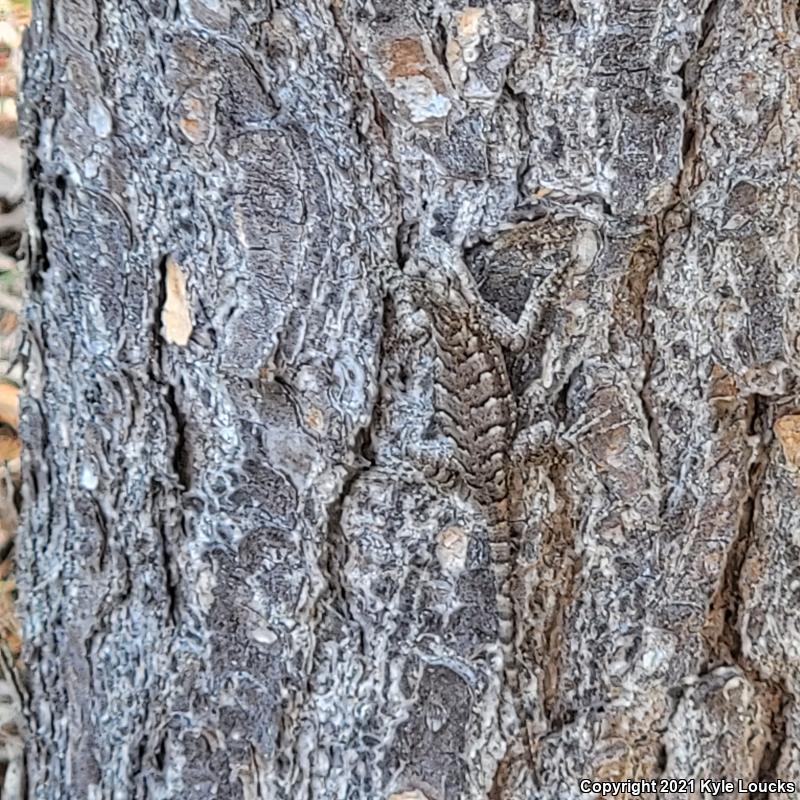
{"type": "Point", "coordinates": [726, 646]}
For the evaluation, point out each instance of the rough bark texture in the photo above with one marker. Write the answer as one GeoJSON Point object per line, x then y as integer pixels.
{"type": "Point", "coordinates": [412, 397]}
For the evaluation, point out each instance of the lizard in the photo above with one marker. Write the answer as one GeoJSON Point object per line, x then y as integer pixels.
{"type": "Point", "coordinates": [476, 410]}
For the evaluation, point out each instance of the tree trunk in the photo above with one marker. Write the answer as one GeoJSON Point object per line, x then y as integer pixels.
{"type": "Point", "coordinates": [412, 398]}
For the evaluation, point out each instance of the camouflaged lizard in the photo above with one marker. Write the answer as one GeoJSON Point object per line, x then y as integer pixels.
{"type": "Point", "coordinates": [476, 410]}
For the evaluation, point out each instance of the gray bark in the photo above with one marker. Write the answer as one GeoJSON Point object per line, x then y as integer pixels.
{"type": "Point", "coordinates": [412, 397]}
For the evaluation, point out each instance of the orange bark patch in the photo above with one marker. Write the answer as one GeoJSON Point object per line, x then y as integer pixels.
{"type": "Point", "coordinates": [191, 128]}
{"type": "Point", "coordinates": [787, 429]}
{"type": "Point", "coordinates": [406, 59]}
{"type": "Point", "coordinates": [9, 405]}
{"type": "Point", "coordinates": [315, 419]}
{"type": "Point", "coordinates": [10, 629]}
{"type": "Point", "coordinates": [723, 384]}
{"type": "Point", "coordinates": [10, 444]}
{"type": "Point", "coordinates": [193, 123]}
{"type": "Point", "coordinates": [469, 22]}
{"type": "Point", "coordinates": [176, 316]}
{"type": "Point", "coordinates": [8, 323]}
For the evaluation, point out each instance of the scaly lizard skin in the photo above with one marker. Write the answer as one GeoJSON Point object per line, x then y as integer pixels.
{"type": "Point", "coordinates": [477, 412]}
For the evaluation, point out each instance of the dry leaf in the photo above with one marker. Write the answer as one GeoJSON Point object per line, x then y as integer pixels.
{"type": "Point", "coordinates": [175, 315]}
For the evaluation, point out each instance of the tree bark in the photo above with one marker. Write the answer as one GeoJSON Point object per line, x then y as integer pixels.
{"type": "Point", "coordinates": [412, 398]}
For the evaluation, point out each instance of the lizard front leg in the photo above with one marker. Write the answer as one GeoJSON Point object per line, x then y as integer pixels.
{"type": "Point", "coordinates": [435, 460]}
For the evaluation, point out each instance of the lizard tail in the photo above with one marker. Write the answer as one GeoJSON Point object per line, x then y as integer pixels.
{"type": "Point", "coordinates": [515, 726]}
